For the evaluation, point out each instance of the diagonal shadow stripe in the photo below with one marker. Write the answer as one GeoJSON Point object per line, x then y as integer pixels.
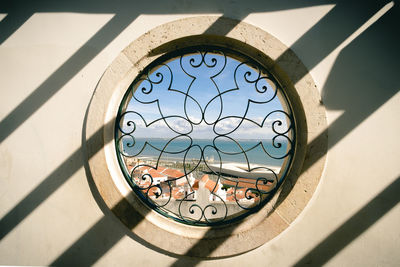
{"type": "Point", "coordinates": [63, 74]}
{"type": "Point", "coordinates": [20, 11]}
{"type": "Point", "coordinates": [336, 241]}
{"type": "Point", "coordinates": [72, 164]}
{"type": "Point", "coordinates": [201, 250]}
{"type": "Point", "coordinates": [330, 32]}
{"type": "Point", "coordinates": [50, 184]}
{"type": "Point", "coordinates": [41, 191]}
{"type": "Point", "coordinates": [84, 253]}
{"type": "Point", "coordinates": [11, 23]}
{"type": "Point", "coordinates": [342, 92]}
{"type": "Point", "coordinates": [74, 64]}
{"type": "Point", "coordinates": [353, 227]}
{"type": "Point", "coordinates": [345, 123]}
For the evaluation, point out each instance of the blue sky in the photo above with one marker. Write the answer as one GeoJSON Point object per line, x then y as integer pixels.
{"type": "Point", "coordinates": [204, 88]}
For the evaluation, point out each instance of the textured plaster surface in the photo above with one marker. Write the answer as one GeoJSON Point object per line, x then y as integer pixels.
{"type": "Point", "coordinates": [245, 235]}
{"type": "Point", "coordinates": [50, 211]}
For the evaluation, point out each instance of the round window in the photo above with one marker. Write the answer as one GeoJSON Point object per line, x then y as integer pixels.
{"type": "Point", "coordinates": [206, 141]}
{"type": "Point", "coordinates": [205, 135]}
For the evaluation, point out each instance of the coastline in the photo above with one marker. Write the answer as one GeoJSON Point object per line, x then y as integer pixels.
{"type": "Point", "coordinates": [193, 160]}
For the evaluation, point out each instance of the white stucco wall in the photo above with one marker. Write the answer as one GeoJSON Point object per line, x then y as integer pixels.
{"type": "Point", "coordinates": [52, 61]}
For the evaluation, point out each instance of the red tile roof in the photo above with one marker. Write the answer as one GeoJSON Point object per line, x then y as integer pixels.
{"type": "Point", "coordinates": [195, 185]}
{"type": "Point", "coordinates": [204, 178]}
{"type": "Point", "coordinates": [242, 184]}
{"type": "Point", "coordinates": [161, 168]}
{"type": "Point", "coordinates": [209, 184]}
{"type": "Point", "coordinates": [240, 194]}
{"type": "Point", "coordinates": [154, 191]}
{"type": "Point", "coordinates": [171, 173]}
{"type": "Point", "coordinates": [176, 194]}
{"type": "Point", "coordinates": [160, 172]}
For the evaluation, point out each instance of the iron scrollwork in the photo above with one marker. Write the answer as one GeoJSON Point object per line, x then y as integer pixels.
{"type": "Point", "coordinates": [205, 135]}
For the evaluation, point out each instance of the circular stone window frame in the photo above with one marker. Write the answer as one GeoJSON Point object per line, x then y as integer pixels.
{"type": "Point", "coordinates": [302, 177]}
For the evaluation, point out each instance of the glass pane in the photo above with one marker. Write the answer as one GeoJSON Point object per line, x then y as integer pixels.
{"type": "Point", "coordinates": [205, 136]}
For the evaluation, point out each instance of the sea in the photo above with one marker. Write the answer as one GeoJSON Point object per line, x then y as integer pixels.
{"type": "Point", "coordinates": [211, 150]}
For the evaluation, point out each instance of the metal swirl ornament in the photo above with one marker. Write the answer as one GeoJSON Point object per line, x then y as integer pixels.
{"type": "Point", "coordinates": [205, 135]}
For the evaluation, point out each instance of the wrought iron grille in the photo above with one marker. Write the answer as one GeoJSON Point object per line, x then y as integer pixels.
{"type": "Point", "coordinates": [205, 135]}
